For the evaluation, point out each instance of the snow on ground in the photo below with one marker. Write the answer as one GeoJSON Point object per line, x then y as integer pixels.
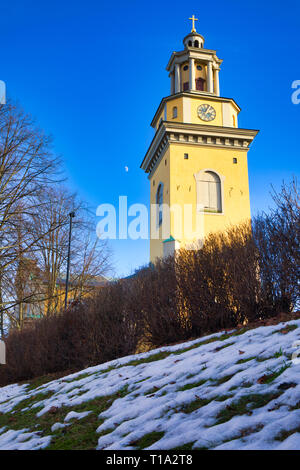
{"type": "Point", "coordinates": [233, 391]}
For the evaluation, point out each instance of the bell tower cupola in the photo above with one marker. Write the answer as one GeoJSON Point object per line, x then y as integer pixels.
{"type": "Point", "coordinates": [195, 69]}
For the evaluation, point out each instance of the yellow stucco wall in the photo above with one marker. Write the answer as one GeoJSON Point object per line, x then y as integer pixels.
{"type": "Point", "coordinates": [160, 175]}
{"type": "Point", "coordinates": [180, 188]}
{"type": "Point", "coordinates": [178, 102]}
{"type": "Point", "coordinates": [178, 175]}
{"type": "Point", "coordinates": [187, 111]}
{"type": "Point", "coordinates": [200, 73]}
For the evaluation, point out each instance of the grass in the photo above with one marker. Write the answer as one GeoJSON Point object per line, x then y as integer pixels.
{"type": "Point", "coordinates": [195, 405]}
{"type": "Point", "coordinates": [81, 434]}
{"type": "Point", "coordinates": [224, 346]}
{"type": "Point", "coordinates": [147, 440]}
{"type": "Point", "coordinates": [223, 337]}
{"type": "Point", "coordinates": [268, 378]}
{"type": "Point", "coordinates": [196, 345]}
{"type": "Point", "coordinates": [263, 359]}
{"type": "Point", "coordinates": [153, 390]}
{"type": "Point", "coordinates": [282, 435]}
{"type": "Point", "coordinates": [242, 361]}
{"type": "Point", "coordinates": [154, 357]}
{"type": "Point", "coordinates": [240, 332]}
{"type": "Point", "coordinates": [191, 385]}
{"type": "Point", "coordinates": [245, 432]}
{"type": "Point", "coordinates": [187, 446]}
{"type": "Point", "coordinates": [224, 379]}
{"type": "Point", "coordinates": [142, 380]}
{"type": "Point", "coordinates": [79, 377]}
{"type": "Point", "coordinates": [285, 329]}
{"type": "Point", "coordinates": [223, 397]}
{"type": "Point", "coordinates": [244, 405]}
{"type": "Point", "coordinates": [278, 353]}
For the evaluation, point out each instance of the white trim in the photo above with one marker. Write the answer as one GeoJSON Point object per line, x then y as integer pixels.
{"type": "Point", "coordinates": [169, 247]}
{"type": "Point", "coordinates": [210, 87]}
{"type": "Point", "coordinates": [198, 177]}
{"type": "Point", "coordinates": [158, 224]}
{"type": "Point", "coordinates": [186, 110]}
{"type": "Point", "coordinates": [177, 78]}
{"type": "Point", "coordinates": [192, 74]}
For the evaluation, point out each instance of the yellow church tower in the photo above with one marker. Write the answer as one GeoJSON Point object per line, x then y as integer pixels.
{"type": "Point", "coordinates": [197, 160]}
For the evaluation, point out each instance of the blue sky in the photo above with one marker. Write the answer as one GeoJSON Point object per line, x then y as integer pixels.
{"type": "Point", "coordinates": [93, 73]}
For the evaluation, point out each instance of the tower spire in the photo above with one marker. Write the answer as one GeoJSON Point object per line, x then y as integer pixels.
{"type": "Point", "coordinates": [193, 19]}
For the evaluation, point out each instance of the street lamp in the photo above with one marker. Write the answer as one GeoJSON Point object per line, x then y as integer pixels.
{"type": "Point", "coordinates": [72, 215]}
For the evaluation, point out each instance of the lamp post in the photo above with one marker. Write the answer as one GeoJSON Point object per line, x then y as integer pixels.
{"type": "Point", "coordinates": [72, 215]}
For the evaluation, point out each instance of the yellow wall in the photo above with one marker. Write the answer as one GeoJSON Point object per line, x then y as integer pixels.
{"type": "Point", "coordinates": [170, 105]}
{"type": "Point", "coordinates": [179, 181]}
{"type": "Point", "coordinates": [160, 175]}
{"type": "Point", "coordinates": [185, 74]}
{"type": "Point", "coordinates": [161, 116]}
{"type": "Point", "coordinates": [200, 73]}
{"type": "Point", "coordinates": [224, 111]}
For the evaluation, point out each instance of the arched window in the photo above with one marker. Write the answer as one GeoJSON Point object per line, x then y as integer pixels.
{"type": "Point", "coordinates": [159, 202]}
{"type": "Point", "coordinates": [175, 112]}
{"type": "Point", "coordinates": [196, 43]}
{"type": "Point", "coordinates": [190, 43]}
{"type": "Point", "coordinates": [209, 196]}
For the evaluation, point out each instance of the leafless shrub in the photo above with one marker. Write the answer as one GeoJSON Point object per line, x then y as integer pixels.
{"type": "Point", "coordinates": [218, 283]}
{"type": "Point", "coordinates": [158, 300]}
{"type": "Point", "coordinates": [277, 237]}
{"type": "Point", "coordinates": [238, 276]}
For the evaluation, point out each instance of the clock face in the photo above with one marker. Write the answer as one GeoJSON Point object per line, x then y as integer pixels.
{"type": "Point", "coordinates": [206, 112]}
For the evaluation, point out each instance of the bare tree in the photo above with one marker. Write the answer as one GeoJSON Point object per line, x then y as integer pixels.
{"type": "Point", "coordinates": [27, 164]}
{"type": "Point", "coordinates": [277, 236]}
{"type": "Point", "coordinates": [89, 256]}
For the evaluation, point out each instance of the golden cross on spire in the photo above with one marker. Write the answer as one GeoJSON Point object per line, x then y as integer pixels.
{"type": "Point", "coordinates": [193, 20]}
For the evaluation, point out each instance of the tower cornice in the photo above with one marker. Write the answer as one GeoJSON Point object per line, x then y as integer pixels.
{"type": "Point", "coordinates": [194, 52]}
{"type": "Point", "coordinates": [199, 135]}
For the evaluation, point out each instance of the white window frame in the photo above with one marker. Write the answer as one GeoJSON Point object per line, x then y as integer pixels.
{"type": "Point", "coordinates": [159, 206]}
{"type": "Point", "coordinates": [199, 178]}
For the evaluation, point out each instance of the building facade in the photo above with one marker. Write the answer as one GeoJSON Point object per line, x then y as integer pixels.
{"type": "Point", "coordinates": [197, 160]}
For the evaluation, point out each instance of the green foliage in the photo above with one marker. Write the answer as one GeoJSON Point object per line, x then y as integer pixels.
{"type": "Point", "coordinates": [244, 405]}
{"type": "Point", "coordinates": [147, 440]}
{"type": "Point", "coordinates": [81, 434]}
{"type": "Point", "coordinates": [189, 386]}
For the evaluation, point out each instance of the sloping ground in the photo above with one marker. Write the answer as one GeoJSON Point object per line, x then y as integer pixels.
{"type": "Point", "coordinates": [237, 390]}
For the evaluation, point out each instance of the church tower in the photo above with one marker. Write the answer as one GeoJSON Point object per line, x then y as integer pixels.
{"type": "Point", "coordinates": [197, 160]}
